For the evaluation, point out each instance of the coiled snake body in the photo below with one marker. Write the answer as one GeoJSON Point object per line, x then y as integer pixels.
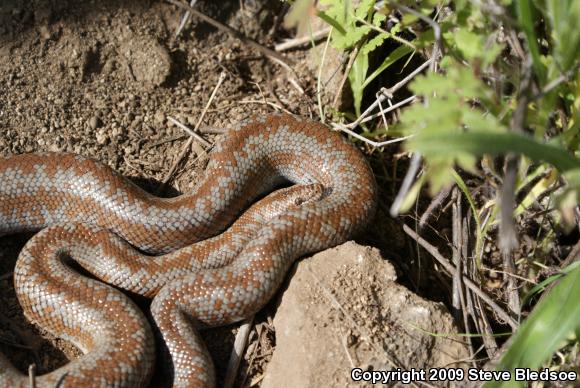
{"type": "Point", "coordinates": [91, 215]}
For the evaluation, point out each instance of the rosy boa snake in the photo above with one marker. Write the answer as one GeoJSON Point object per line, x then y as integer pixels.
{"type": "Point", "coordinates": [89, 214]}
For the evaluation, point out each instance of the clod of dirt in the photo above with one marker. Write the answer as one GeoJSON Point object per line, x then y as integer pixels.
{"type": "Point", "coordinates": [342, 310]}
{"type": "Point", "coordinates": [147, 61]}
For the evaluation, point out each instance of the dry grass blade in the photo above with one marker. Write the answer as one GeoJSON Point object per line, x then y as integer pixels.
{"type": "Point", "coordinates": [468, 282]}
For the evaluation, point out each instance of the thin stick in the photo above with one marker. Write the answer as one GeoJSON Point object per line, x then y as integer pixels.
{"type": "Point", "coordinates": [319, 80]}
{"type": "Point", "coordinates": [190, 132]}
{"type": "Point", "coordinates": [464, 294]}
{"type": "Point", "coordinates": [187, 145]}
{"type": "Point", "coordinates": [388, 93]}
{"type": "Point", "coordinates": [489, 339]}
{"type": "Point", "coordinates": [237, 352]}
{"type": "Point", "coordinates": [468, 282]}
{"type": "Point", "coordinates": [456, 236]}
{"type": "Point", "coordinates": [338, 93]}
{"type": "Point", "coordinates": [269, 103]}
{"type": "Point", "coordinates": [184, 19]}
{"type": "Point", "coordinates": [259, 332]}
{"type": "Point", "coordinates": [340, 127]}
{"type": "Point", "coordinates": [406, 185]}
{"type": "Point", "coordinates": [203, 129]}
{"type": "Point", "coordinates": [381, 109]}
{"type": "Point", "coordinates": [296, 42]}
{"type": "Point", "coordinates": [435, 203]}
{"type": "Point", "coordinates": [32, 376]}
{"type": "Point", "coordinates": [386, 110]}
{"type": "Point", "coordinates": [556, 82]}
{"type": "Point", "coordinates": [235, 33]}
{"type": "Point", "coordinates": [295, 84]}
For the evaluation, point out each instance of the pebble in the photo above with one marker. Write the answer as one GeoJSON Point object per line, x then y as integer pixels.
{"type": "Point", "coordinates": [101, 137]}
{"type": "Point", "coordinates": [159, 118]}
{"type": "Point", "coordinates": [94, 122]}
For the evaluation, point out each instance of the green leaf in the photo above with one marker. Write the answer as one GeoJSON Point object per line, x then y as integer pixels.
{"type": "Point", "coordinates": [469, 43]}
{"type": "Point", "coordinates": [372, 44]}
{"type": "Point", "coordinates": [543, 284]}
{"type": "Point", "coordinates": [545, 330]}
{"type": "Point", "coordinates": [378, 19]}
{"type": "Point", "coordinates": [564, 16]}
{"type": "Point", "coordinates": [526, 21]}
{"type": "Point", "coordinates": [479, 143]}
{"type": "Point", "coordinates": [341, 15]}
{"type": "Point", "coordinates": [364, 8]}
{"type": "Point", "coordinates": [337, 27]}
{"type": "Point", "coordinates": [356, 77]}
{"type": "Point", "coordinates": [393, 57]}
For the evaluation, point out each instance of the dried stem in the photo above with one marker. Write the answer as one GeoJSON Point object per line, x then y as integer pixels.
{"type": "Point", "coordinates": [468, 282]}
{"type": "Point", "coordinates": [302, 41]}
{"type": "Point", "coordinates": [237, 352]}
{"type": "Point", "coordinates": [235, 33]}
{"type": "Point", "coordinates": [187, 145]}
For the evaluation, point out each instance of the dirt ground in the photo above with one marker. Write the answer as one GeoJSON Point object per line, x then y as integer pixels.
{"type": "Point", "coordinates": [100, 78]}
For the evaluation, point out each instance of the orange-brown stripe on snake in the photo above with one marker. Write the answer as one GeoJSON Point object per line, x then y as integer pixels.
{"type": "Point", "coordinates": [94, 215]}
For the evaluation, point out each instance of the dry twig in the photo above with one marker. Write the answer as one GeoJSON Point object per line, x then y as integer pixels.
{"type": "Point", "coordinates": [184, 19]}
{"type": "Point", "coordinates": [233, 32]}
{"type": "Point", "coordinates": [435, 203]}
{"type": "Point", "coordinates": [468, 282]}
{"type": "Point", "coordinates": [302, 41]}
{"type": "Point", "coordinates": [237, 352]}
{"type": "Point", "coordinates": [190, 132]}
{"type": "Point", "coordinates": [187, 145]}
{"type": "Point", "coordinates": [32, 376]}
{"type": "Point", "coordinates": [406, 185]}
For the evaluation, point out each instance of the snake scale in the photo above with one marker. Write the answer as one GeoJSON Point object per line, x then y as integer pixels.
{"type": "Point", "coordinates": [222, 250]}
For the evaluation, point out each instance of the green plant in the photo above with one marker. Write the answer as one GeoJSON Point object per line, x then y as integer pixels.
{"type": "Point", "coordinates": [360, 27]}
{"type": "Point", "coordinates": [493, 95]}
{"type": "Point", "coordinates": [469, 113]}
{"type": "Point", "coordinates": [554, 321]}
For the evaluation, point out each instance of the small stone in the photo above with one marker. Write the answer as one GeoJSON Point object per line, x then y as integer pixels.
{"type": "Point", "coordinates": [44, 33]}
{"type": "Point", "coordinates": [159, 118]}
{"type": "Point", "coordinates": [101, 137]}
{"type": "Point", "coordinates": [116, 130]}
{"type": "Point", "coordinates": [54, 148]}
{"type": "Point", "coordinates": [94, 122]}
